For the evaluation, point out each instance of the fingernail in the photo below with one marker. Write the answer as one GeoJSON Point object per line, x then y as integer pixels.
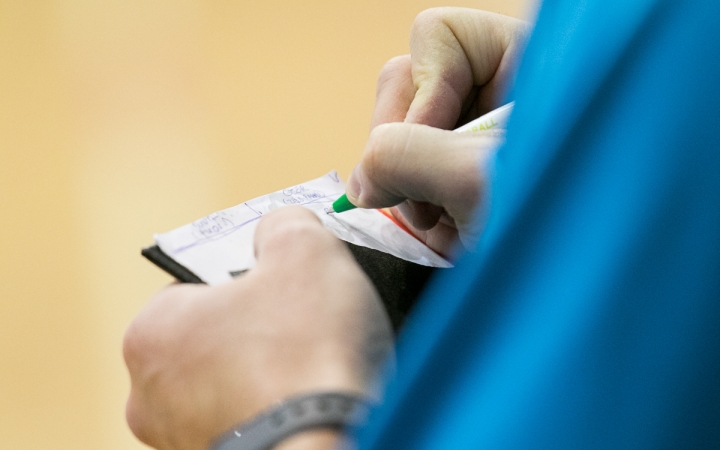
{"type": "Point", "coordinates": [354, 187]}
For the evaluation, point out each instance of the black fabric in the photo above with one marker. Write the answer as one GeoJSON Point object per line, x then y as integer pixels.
{"type": "Point", "coordinates": [397, 281]}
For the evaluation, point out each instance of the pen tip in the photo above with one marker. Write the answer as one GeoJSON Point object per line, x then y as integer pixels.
{"type": "Point", "coordinates": [329, 210]}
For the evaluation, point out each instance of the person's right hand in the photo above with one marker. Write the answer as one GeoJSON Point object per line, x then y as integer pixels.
{"type": "Point", "coordinates": [461, 62]}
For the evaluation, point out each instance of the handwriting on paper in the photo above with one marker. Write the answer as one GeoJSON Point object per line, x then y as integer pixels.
{"type": "Point", "coordinates": [221, 244]}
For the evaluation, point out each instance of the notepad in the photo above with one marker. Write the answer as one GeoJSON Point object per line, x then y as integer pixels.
{"type": "Point", "coordinates": [219, 246]}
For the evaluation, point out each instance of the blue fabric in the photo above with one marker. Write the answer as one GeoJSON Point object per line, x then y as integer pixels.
{"type": "Point", "coordinates": [589, 317]}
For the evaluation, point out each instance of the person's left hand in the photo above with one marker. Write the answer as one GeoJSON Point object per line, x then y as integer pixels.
{"type": "Point", "coordinates": [305, 319]}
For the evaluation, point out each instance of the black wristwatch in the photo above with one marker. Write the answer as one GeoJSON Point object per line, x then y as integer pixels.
{"type": "Point", "coordinates": [318, 410]}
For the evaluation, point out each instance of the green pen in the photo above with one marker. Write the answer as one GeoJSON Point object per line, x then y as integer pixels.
{"type": "Point", "coordinates": [342, 204]}
{"type": "Point", "coordinates": [496, 118]}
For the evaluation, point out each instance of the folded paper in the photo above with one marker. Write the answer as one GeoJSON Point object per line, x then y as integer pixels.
{"type": "Point", "coordinates": [220, 246]}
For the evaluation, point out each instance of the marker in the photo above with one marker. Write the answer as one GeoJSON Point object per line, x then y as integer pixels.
{"type": "Point", "coordinates": [495, 119]}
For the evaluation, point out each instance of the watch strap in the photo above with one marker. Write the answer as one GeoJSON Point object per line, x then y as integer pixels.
{"type": "Point", "coordinates": [317, 410]}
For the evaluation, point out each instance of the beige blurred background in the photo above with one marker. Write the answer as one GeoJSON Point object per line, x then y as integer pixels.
{"type": "Point", "coordinates": [119, 119]}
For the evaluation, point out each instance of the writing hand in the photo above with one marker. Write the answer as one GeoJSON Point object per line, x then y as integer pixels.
{"type": "Point", "coordinates": [461, 62]}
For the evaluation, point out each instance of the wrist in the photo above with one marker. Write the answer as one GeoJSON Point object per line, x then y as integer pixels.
{"type": "Point", "coordinates": [274, 391]}
{"type": "Point", "coordinates": [312, 440]}
{"type": "Point", "coordinates": [313, 420]}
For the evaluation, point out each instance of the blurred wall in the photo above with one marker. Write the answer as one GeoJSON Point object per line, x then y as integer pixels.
{"type": "Point", "coordinates": [123, 118]}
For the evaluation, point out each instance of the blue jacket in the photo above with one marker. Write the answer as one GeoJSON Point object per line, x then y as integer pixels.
{"type": "Point", "coordinates": [589, 316]}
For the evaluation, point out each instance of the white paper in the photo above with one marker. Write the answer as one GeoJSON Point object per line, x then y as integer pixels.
{"type": "Point", "coordinates": [218, 246]}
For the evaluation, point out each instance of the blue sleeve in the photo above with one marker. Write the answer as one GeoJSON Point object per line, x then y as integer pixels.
{"type": "Point", "coordinates": [589, 316]}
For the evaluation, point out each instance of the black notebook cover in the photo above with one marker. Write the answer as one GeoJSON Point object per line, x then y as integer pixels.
{"type": "Point", "coordinates": [398, 282]}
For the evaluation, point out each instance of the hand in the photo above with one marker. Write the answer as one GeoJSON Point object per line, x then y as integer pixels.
{"type": "Point", "coordinates": [461, 62]}
{"type": "Point", "coordinates": [306, 318]}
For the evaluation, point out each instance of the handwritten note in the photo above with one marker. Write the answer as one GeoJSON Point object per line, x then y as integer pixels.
{"type": "Point", "coordinates": [220, 245]}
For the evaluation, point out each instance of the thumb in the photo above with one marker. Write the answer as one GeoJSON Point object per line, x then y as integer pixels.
{"type": "Point", "coordinates": [293, 235]}
{"type": "Point", "coordinates": [409, 161]}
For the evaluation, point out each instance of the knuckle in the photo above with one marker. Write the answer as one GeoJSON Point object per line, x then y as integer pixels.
{"type": "Point", "coordinates": [380, 147]}
{"type": "Point", "coordinates": [135, 344]}
{"type": "Point", "coordinates": [286, 221]}
{"type": "Point", "coordinates": [394, 65]}
{"type": "Point", "coordinates": [397, 66]}
{"type": "Point", "coordinates": [288, 214]}
{"type": "Point", "coordinates": [386, 144]}
{"type": "Point", "coordinates": [143, 338]}
{"type": "Point", "coordinates": [429, 18]}
{"type": "Point", "coordinates": [135, 418]}
{"type": "Point", "coordinates": [293, 230]}
{"type": "Point", "coordinates": [130, 346]}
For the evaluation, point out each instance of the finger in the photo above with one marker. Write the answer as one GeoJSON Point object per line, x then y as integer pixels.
{"type": "Point", "coordinates": [292, 235]}
{"type": "Point", "coordinates": [395, 91]}
{"type": "Point", "coordinates": [406, 161]}
{"type": "Point", "coordinates": [421, 215]}
{"type": "Point", "coordinates": [441, 238]}
{"type": "Point", "coordinates": [454, 49]}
